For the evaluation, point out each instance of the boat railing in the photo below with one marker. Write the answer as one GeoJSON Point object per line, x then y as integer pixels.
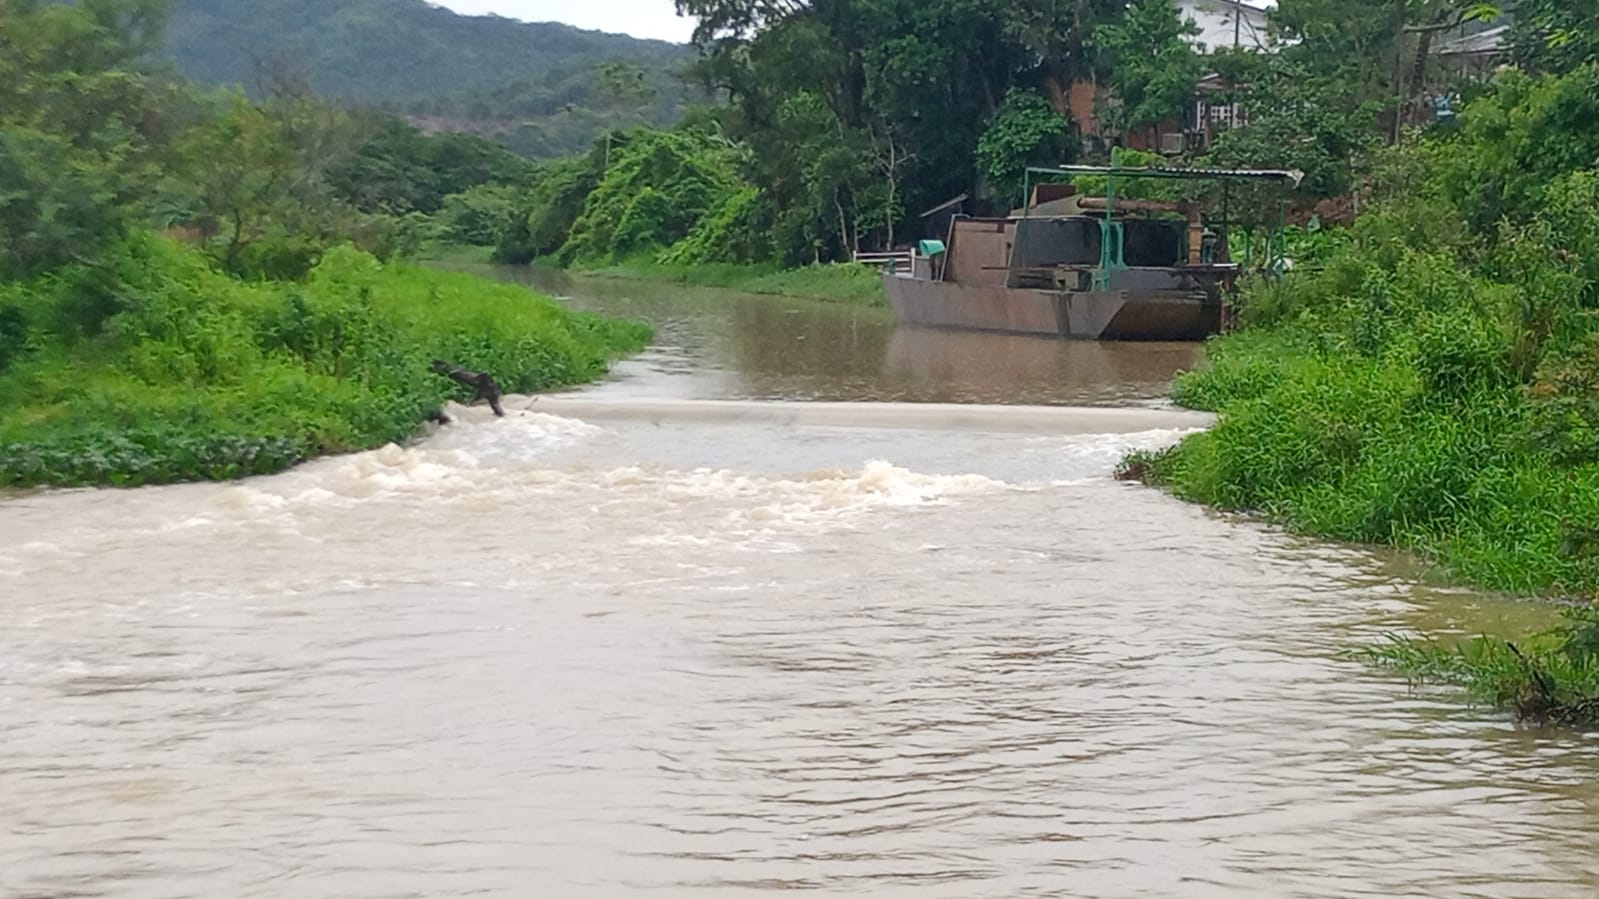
{"type": "Point", "coordinates": [899, 259]}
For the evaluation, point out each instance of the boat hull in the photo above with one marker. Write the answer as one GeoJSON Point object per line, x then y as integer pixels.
{"type": "Point", "coordinates": [1078, 315]}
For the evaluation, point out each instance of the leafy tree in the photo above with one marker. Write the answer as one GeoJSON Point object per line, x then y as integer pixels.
{"type": "Point", "coordinates": [1059, 40]}
{"type": "Point", "coordinates": [399, 169]}
{"type": "Point", "coordinates": [79, 128]}
{"type": "Point", "coordinates": [1297, 119]}
{"type": "Point", "coordinates": [255, 172]}
{"type": "Point", "coordinates": [480, 216]}
{"type": "Point", "coordinates": [856, 110]}
{"type": "Point", "coordinates": [551, 206]}
{"type": "Point", "coordinates": [1524, 135]}
{"type": "Point", "coordinates": [1026, 131]}
{"type": "Point", "coordinates": [1555, 36]}
{"type": "Point", "coordinates": [657, 187]}
{"type": "Point", "coordinates": [1154, 67]}
{"type": "Point", "coordinates": [738, 232]}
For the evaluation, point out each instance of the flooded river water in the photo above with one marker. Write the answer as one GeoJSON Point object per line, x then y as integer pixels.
{"type": "Point", "coordinates": [636, 652]}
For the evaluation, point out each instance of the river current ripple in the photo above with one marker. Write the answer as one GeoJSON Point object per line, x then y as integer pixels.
{"type": "Point", "coordinates": [543, 656]}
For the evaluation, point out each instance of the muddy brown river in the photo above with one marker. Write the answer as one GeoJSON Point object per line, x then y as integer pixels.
{"type": "Point", "coordinates": [626, 642]}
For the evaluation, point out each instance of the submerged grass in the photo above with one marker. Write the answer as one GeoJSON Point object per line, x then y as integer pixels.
{"type": "Point", "coordinates": [1549, 678]}
{"type": "Point", "coordinates": [836, 282]}
{"type": "Point", "coordinates": [153, 367]}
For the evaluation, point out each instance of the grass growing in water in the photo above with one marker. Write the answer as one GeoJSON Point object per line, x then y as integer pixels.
{"type": "Point", "coordinates": [152, 367]}
{"type": "Point", "coordinates": [1549, 678]}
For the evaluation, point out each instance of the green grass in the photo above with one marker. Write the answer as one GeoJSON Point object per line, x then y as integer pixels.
{"type": "Point", "coordinates": [1432, 399]}
{"type": "Point", "coordinates": [1402, 398]}
{"type": "Point", "coordinates": [836, 282]}
{"type": "Point", "coordinates": [1551, 677]}
{"type": "Point", "coordinates": [455, 253]}
{"type": "Point", "coordinates": [153, 367]}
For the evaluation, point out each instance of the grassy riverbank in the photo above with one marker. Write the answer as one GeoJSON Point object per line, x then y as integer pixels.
{"type": "Point", "coordinates": [454, 254]}
{"type": "Point", "coordinates": [835, 283]}
{"type": "Point", "coordinates": [1432, 382]}
{"type": "Point", "coordinates": [150, 366]}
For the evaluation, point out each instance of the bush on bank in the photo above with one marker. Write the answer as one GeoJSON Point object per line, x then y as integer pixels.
{"type": "Point", "coordinates": [150, 366]}
{"type": "Point", "coordinates": [1432, 382]}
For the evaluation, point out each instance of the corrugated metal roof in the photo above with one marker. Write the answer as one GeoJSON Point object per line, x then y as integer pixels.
{"type": "Point", "coordinates": [1293, 175]}
{"type": "Point", "coordinates": [1490, 41]}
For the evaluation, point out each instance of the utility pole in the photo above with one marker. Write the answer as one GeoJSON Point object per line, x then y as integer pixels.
{"type": "Point", "coordinates": [1238, 31]}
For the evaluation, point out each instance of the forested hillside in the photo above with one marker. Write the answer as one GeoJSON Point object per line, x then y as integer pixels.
{"type": "Point", "coordinates": [843, 120]}
{"type": "Point", "coordinates": [544, 89]}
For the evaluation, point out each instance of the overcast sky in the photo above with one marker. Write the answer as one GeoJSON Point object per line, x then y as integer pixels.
{"type": "Point", "coordinates": [640, 18]}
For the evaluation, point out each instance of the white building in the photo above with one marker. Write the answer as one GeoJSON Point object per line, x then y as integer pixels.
{"type": "Point", "coordinates": [1227, 23]}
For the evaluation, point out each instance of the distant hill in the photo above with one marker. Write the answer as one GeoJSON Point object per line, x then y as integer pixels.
{"type": "Point", "coordinates": [544, 89]}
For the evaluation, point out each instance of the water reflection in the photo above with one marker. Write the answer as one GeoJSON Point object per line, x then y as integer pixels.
{"type": "Point", "coordinates": [737, 346]}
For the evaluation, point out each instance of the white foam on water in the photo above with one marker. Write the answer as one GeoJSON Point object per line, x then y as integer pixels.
{"type": "Point", "coordinates": [480, 465]}
{"type": "Point", "coordinates": [503, 461]}
{"type": "Point", "coordinates": [1095, 457]}
{"type": "Point", "coordinates": [520, 436]}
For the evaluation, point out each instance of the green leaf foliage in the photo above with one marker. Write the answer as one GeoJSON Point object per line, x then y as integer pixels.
{"type": "Point", "coordinates": [1430, 382]}
{"type": "Point", "coordinates": [200, 376]}
{"type": "Point", "coordinates": [1026, 131]}
{"type": "Point", "coordinates": [78, 132]}
{"type": "Point", "coordinates": [1153, 65]}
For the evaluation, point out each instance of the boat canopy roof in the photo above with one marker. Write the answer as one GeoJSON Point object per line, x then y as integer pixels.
{"type": "Point", "coordinates": [1293, 176]}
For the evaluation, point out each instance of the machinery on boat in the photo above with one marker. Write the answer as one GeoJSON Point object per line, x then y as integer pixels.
{"type": "Point", "coordinates": [1092, 266]}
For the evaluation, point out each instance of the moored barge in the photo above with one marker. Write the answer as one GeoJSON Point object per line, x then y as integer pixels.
{"type": "Point", "coordinates": [1083, 267]}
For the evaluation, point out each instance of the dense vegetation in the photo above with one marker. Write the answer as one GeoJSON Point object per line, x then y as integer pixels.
{"type": "Point", "coordinates": [543, 89]}
{"type": "Point", "coordinates": [845, 118]}
{"type": "Point", "coordinates": [1430, 378]}
{"type": "Point", "coordinates": [1427, 376]}
{"type": "Point", "coordinates": [273, 332]}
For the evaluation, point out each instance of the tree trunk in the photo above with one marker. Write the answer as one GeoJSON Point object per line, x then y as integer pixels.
{"type": "Point", "coordinates": [1418, 75]}
{"type": "Point", "coordinates": [843, 224]}
{"type": "Point", "coordinates": [890, 214]}
{"type": "Point", "coordinates": [893, 171]}
{"type": "Point", "coordinates": [1399, 70]}
{"type": "Point", "coordinates": [1060, 93]}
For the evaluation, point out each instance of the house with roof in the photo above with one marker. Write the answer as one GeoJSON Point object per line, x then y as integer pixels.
{"type": "Point", "coordinates": [1227, 24]}
{"type": "Point", "coordinates": [1222, 25]}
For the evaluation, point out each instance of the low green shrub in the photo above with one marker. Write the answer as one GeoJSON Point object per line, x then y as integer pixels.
{"type": "Point", "coordinates": [197, 375]}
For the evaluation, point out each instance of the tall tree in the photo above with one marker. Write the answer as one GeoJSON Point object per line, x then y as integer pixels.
{"type": "Point", "coordinates": [78, 124]}
{"type": "Point", "coordinates": [1154, 67]}
{"type": "Point", "coordinates": [1026, 131]}
{"type": "Point", "coordinates": [1555, 36]}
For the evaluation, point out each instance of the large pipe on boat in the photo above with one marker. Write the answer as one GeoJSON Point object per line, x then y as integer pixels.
{"type": "Point", "coordinates": [1100, 203]}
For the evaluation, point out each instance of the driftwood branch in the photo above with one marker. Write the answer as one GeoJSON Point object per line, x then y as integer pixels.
{"type": "Point", "coordinates": [481, 383]}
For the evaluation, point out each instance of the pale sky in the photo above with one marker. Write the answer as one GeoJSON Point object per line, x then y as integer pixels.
{"type": "Point", "coordinates": [640, 18]}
